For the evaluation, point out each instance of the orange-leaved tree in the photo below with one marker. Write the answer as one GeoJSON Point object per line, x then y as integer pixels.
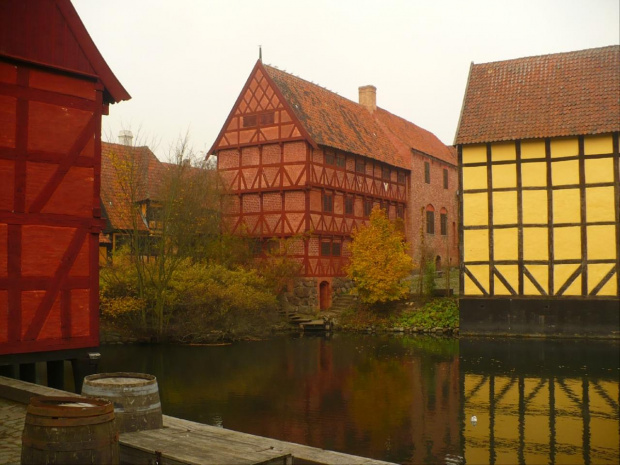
{"type": "Point", "coordinates": [379, 260]}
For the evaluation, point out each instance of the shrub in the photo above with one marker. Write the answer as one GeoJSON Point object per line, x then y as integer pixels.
{"type": "Point", "coordinates": [379, 261]}
{"type": "Point", "coordinates": [438, 313]}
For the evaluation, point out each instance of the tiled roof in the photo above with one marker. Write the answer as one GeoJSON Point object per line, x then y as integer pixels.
{"type": "Point", "coordinates": [555, 95]}
{"type": "Point", "coordinates": [125, 169]}
{"type": "Point", "coordinates": [334, 121]}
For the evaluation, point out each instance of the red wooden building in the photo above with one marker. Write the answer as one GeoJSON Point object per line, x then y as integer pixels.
{"type": "Point", "coordinates": [299, 159]}
{"type": "Point", "coordinates": [54, 88]}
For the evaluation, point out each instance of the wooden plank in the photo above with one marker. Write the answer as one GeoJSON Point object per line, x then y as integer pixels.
{"type": "Point", "coordinates": [301, 453]}
{"type": "Point", "coordinates": [21, 391]}
{"type": "Point", "coordinates": [178, 445]}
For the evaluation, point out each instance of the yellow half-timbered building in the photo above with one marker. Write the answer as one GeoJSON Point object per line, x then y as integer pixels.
{"type": "Point", "coordinates": [538, 153]}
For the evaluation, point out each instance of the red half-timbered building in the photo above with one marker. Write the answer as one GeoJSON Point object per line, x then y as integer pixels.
{"type": "Point", "coordinates": [301, 162]}
{"type": "Point", "coordinates": [54, 88]}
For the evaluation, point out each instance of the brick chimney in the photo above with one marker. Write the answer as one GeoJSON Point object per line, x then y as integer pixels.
{"type": "Point", "coordinates": [368, 97]}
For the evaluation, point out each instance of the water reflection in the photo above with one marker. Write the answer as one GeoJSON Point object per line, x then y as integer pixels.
{"type": "Point", "coordinates": [540, 401]}
{"type": "Point", "coordinates": [407, 400]}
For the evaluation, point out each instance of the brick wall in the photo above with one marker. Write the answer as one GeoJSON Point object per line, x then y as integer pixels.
{"type": "Point", "coordinates": [423, 194]}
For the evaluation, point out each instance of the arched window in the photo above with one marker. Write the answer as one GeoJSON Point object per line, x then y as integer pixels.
{"type": "Point", "coordinates": [443, 221]}
{"type": "Point", "coordinates": [430, 219]}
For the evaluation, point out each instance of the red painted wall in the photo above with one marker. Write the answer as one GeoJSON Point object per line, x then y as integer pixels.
{"type": "Point", "coordinates": [50, 156]}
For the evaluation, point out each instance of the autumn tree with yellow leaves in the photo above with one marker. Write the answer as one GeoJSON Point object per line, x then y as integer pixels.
{"type": "Point", "coordinates": [379, 261]}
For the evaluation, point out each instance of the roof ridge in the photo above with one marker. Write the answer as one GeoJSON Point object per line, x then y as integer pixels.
{"type": "Point", "coordinates": [544, 55]}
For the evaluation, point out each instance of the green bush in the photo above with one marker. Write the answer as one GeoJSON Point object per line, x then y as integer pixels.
{"type": "Point", "coordinates": [199, 299]}
{"type": "Point", "coordinates": [438, 313]}
{"type": "Point", "coordinates": [429, 278]}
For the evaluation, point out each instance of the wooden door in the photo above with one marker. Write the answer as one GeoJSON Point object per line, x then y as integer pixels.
{"type": "Point", "coordinates": [325, 295]}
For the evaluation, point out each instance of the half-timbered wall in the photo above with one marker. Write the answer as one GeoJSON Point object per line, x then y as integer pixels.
{"type": "Point", "coordinates": [542, 217]}
{"type": "Point", "coordinates": [50, 125]}
{"type": "Point", "coordinates": [271, 195]}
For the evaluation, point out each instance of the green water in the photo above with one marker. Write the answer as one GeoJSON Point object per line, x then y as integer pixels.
{"type": "Point", "coordinates": [401, 399]}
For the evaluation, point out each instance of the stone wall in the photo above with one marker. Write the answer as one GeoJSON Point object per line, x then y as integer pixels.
{"type": "Point", "coordinates": [302, 298]}
{"type": "Point", "coordinates": [341, 285]}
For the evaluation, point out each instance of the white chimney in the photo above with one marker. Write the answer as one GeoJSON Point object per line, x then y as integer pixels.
{"type": "Point", "coordinates": [125, 137]}
{"type": "Point", "coordinates": [368, 97]}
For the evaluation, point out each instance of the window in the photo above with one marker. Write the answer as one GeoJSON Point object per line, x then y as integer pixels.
{"type": "Point", "coordinates": [328, 202]}
{"type": "Point", "coordinates": [430, 222]}
{"type": "Point", "coordinates": [430, 219]}
{"type": "Point", "coordinates": [401, 177]}
{"type": "Point", "coordinates": [271, 246]}
{"type": "Point", "coordinates": [385, 173]}
{"type": "Point", "coordinates": [340, 161]}
{"type": "Point", "coordinates": [326, 249]}
{"type": "Point", "coordinates": [266, 118]}
{"type": "Point", "coordinates": [348, 205]}
{"type": "Point", "coordinates": [367, 207]}
{"type": "Point", "coordinates": [360, 166]}
{"type": "Point", "coordinates": [445, 178]}
{"type": "Point", "coordinates": [400, 212]}
{"type": "Point", "coordinates": [336, 249]}
{"type": "Point", "coordinates": [329, 158]}
{"type": "Point", "coordinates": [329, 248]}
{"type": "Point", "coordinates": [427, 172]}
{"type": "Point", "coordinates": [249, 121]}
{"type": "Point", "coordinates": [255, 246]}
{"type": "Point", "coordinates": [443, 218]}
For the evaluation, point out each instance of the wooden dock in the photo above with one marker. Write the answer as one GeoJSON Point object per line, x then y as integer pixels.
{"type": "Point", "coordinates": [179, 442]}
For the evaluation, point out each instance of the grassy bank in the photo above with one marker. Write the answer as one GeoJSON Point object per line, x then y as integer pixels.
{"type": "Point", "coordinates": [415, 315]}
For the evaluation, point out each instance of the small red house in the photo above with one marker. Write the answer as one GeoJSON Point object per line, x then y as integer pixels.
{"type": "Point", "coordinates": [302, 162]}
{"type": "Point", "coordinates": [54, 88]}
{"type": "Point", "coordinates": [121, 217]}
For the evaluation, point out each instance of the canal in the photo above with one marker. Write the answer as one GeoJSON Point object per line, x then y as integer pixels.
{"type": "Point", "coordinates": [403, 399]}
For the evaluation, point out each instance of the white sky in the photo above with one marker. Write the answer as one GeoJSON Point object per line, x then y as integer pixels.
{"type": "Point", "coordinates": [184, 62]}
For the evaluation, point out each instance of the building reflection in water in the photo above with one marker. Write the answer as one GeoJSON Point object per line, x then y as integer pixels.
{"type": "Point", "coordinates": [406, 400]}
{"type": "Point", "coordinates": [539, 402]}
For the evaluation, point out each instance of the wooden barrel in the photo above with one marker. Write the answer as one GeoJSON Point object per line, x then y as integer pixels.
{"type": "Point", "coordinates": [135, 397]}
{"type": "Point", "coordinates": [71, 430]}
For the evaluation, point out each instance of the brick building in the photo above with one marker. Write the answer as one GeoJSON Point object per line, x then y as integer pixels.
{"type": "Point", "coordinates": [538, 145]}
{"type": "Point", "coordinates": [302, 162]}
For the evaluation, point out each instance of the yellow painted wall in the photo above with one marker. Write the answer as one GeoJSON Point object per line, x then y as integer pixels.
{"type": "Point", "coordinates": [474, 153]}
{"type": "Point", "coordinates": [534, 174]}
{"type": "Point", "coordinates": [475, 209]}
{"type": "Point", "coordinates": [534, 148]}
{"type": "Point", "coordinates": [505, 207]}
{"type": "Point", "coordinates": [566, 203]}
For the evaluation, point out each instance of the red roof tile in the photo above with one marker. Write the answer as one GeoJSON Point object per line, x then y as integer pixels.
{"type": "Point", "coordinates": [563, 94]}
{"type": "Point", "coordinates": [334, 121]}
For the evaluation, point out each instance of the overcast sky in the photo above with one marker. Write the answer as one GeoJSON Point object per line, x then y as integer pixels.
{"type": "Point", "coordinates": [184, 62]}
